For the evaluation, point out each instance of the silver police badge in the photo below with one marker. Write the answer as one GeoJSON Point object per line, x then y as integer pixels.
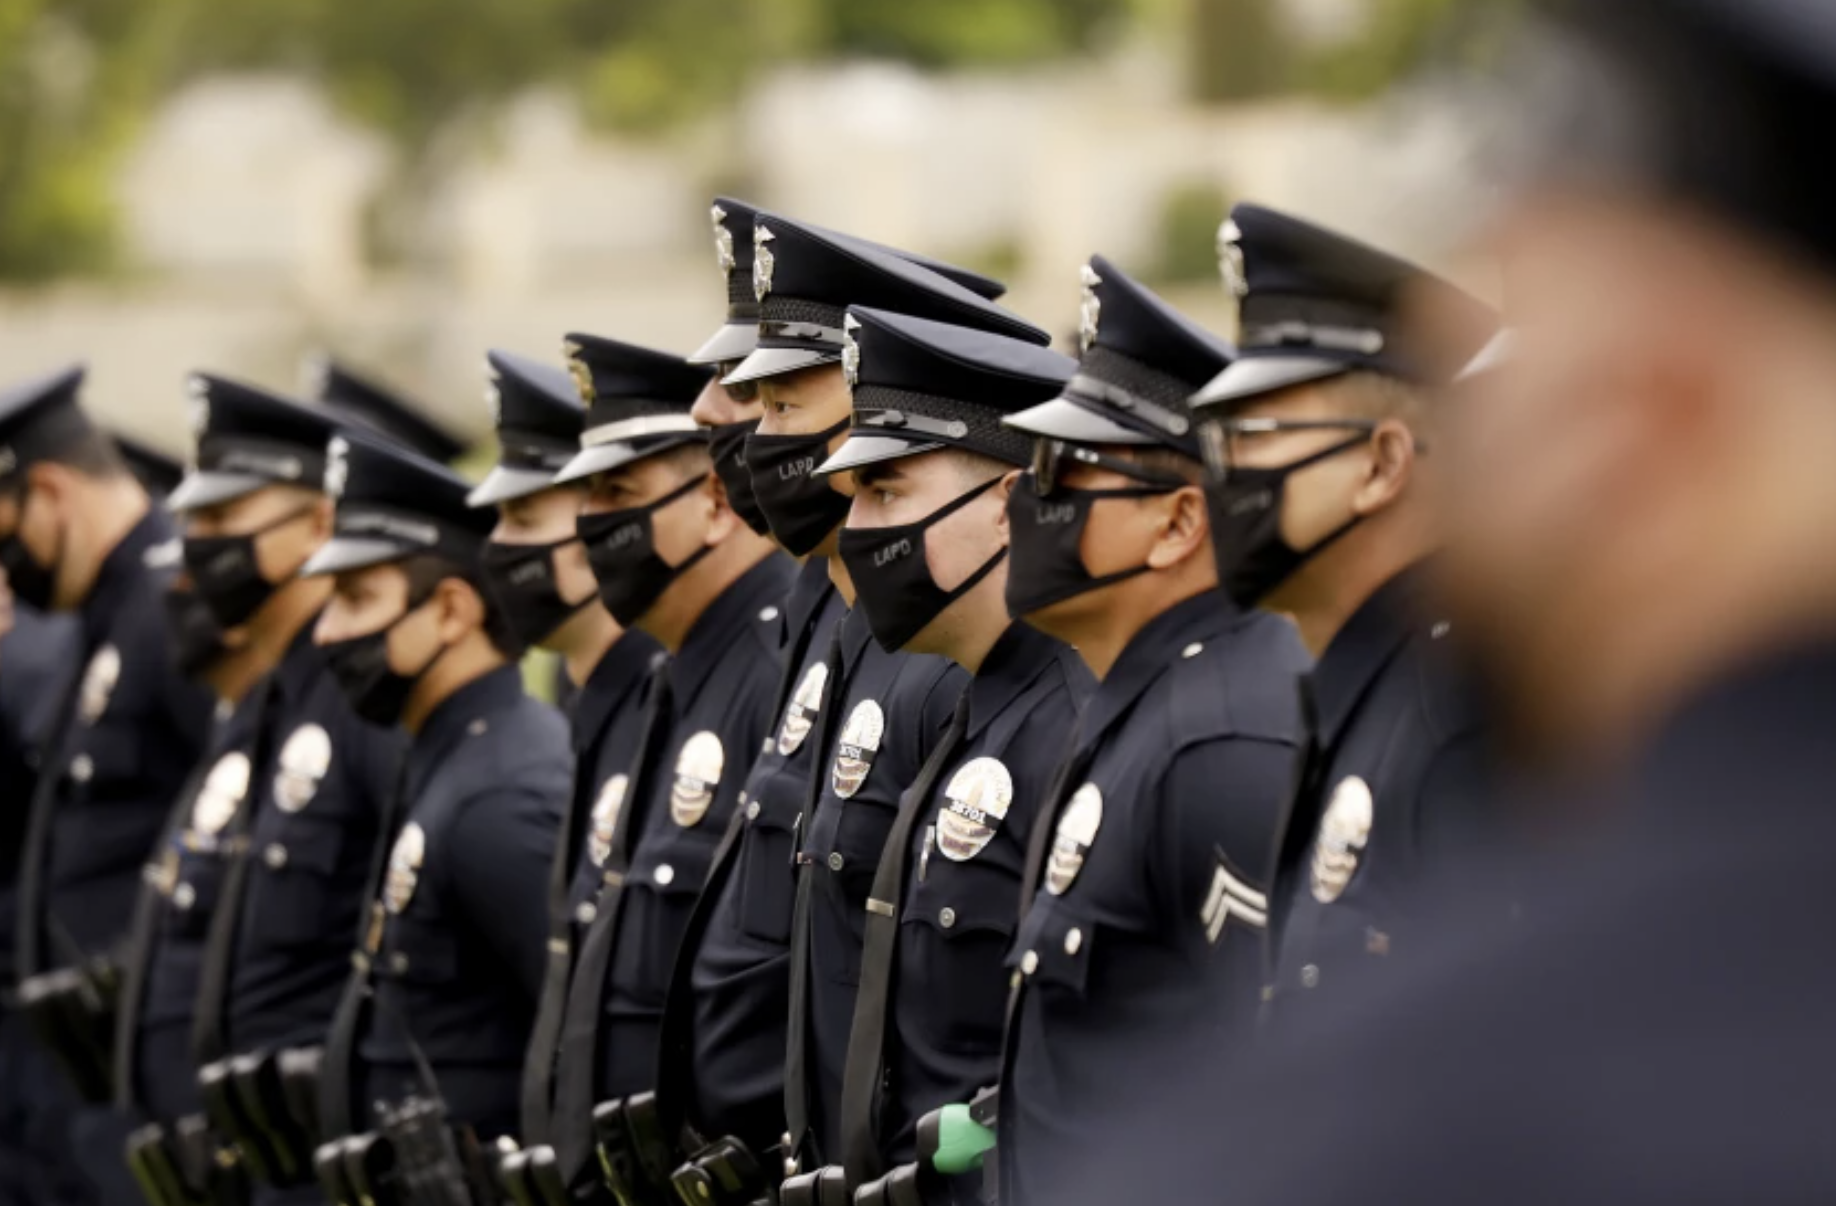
{"type": "Point", "coordinates": [405, 859]}
{"type": "Point", "coordinates": [579, 371]}
{"type": "Point", "coordinates": [1344, 831]}
{"type": "Point", "coordinates": [1230, 259]}
{"type": "Point", "coordinates": [723, 239]}
{"type": "Point", "coordinates": [698, 769]}
{"type": "Point", "coordinates": [99, 681]}
{"type": "Point", "coordinates": [1089, 309]}
{"type": "Point", "coordinates": [851, 351]}
{"type": "Point", "coordinates": [975, 804]}
{"type": "Point", "coordinates": [304, 759]}
{"type": "Point", "coordinates": [337, 466]}
{"type": "Point", "coordinates": [605, 818]}
{"type": "Point", "coordinates": [800, 714]}
{"type": "Point", "coordinates": [222, 793]}
{"type": "Point", "coordinates": [1077, 830]}
{"type": "Point", "coordinates": [762, 262]}
{"type": "Point", "coordinates": [854, 752]}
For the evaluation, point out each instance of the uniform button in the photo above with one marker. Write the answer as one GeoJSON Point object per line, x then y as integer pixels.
{"type": "Point", "coordinates": [275, 855]}
{"type": "Point", "coordinates": [184, 896]}
{"type": "Point", "coordinates": [1440, 629]}
{"type": "Point", "coordinates": [477, 727]}
{"type": "Point", "coordinates": [1192, 650]}
{"type": "Point", "coordinates": [666, 874]}
{"type": "Point", "coordinates": [223, 710]}
{"type": "Point", "coordinates": [586, 912]}
{"type": "Point", "coordinates": [82, 768]}
{"type": "Point", "coordinates": [946, 917]}
{"type": "Point", "coordinates": [769, 614]}
{"type": "Point", "coordinates": [1310, 976]}
{"type": "Point", "coordinates": [1074, 940]}
{"type": "Point", "coordinates": [398, 963]}
{"type": "Point", "coordinates": [835, 861]}
{"type": "Point", "coordinates": [1029, 962]}
{"type": "Point", "coordinates": [752, 811]}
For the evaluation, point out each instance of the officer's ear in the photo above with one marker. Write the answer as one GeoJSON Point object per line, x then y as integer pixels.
{"type": "Point", "coordinates": [1004, 490]}
{"type": "Point", "coordinates": [1392, 466]}
{"type": "Point", "coordinates": [1185, 528]}
{"type": "Point", "coordinates": [722, 520]}
{"type": "Point", "coordinates": [458, 609]}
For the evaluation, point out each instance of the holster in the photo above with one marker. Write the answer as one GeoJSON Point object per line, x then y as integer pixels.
{"type": "Point", "coordinates": [723, 1173]}
{"type": "Point", "coordinates": [299, 1077]}
{"type": "Point", "coordinates": [249, 1103]}
{"type": "Point", "coordinates": [435, 1164]}
{"type": "Point", "coordinates": [186, 1165]}
{"type": "Point", "coordinates": [71, 1010]}
{"type": "Point", "coordinates": [825, 1186]}
{"type": "Point", "coordinates": [228, 1116]}
{"type": "Point", "coordinates": [369, 1168]}
{"type": "Point", "coordinates": [543, 1174]}
{"type": "Point", "coordinates": [334, 1181]}
{"type": "Point", "coordinates": [162, 1179]}
{"type": "Point", "coordinates": [619, 1136]}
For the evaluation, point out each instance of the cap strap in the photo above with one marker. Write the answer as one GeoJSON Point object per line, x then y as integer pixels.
{"type": "Point", "coordinates": [631, 429]}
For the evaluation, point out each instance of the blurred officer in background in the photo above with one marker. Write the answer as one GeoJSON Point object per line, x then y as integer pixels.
{"type": "Point", "coordinates": [123, 733]}
{"type": "Point", "coordinates": [673, 560]}
{"type": "Point", "coordinates": [1318, 436]}
{"type": "Point", "coordinates": [926, 549]}
{"type": "Point", "coordinates": [1145, 889]}
{"type": "Point", "coordinates": [431, 1028]}
{"type": "Point", "coordinates": [358, 400]}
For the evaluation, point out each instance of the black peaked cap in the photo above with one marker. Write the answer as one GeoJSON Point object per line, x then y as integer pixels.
{"type": "Point", "coordinates": [638, 403]}
{"type": "Point", "coordinates": [158, 472]}
{"type": "Point", "coordinates": [245, 438]}
{"type": "Point", "coordinates": [41, 417]}
{"type": "Point", "coordinates": [536, 412]}
{"type": "Point", "coordinates": [393, 504]}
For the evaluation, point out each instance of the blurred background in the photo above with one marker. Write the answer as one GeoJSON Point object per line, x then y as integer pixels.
{"type": "Point", "coordinates": [233, 184]}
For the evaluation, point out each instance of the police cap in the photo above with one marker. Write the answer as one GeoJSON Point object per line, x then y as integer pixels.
{"type": "Point", "coordinates": [246, 438]}
{"type": "Point", "coordinates": [538, 417]}
{"type": "Point", "coordinates": [638, 403]}
{"type": "Point", "coordinates": [392, 504]}
{"type": "Point", "coordinates": [362, 402]}
{"type": "Point", "coordinates": [159, 473]}
{"type": "Point", "coordinates": [40, 418]}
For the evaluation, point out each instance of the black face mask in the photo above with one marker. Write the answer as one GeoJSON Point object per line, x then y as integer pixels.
{"type": "Point", "coordinates": [1245, 506]}
{"type": "Point", "coordinates": [800, 507]}
{"type": "Point", "coordinates": [727, 444]}
{"type": "Point", "coordinates": [1045, 536]}
{"type": "Point", "coordinates": [226, 570]}
{"type": "Point", "coordinates": [621, 546]}
{"type": "Point", "coordinates": [521, 577]}
{"type": "Point", "coordinates": [192, 632]}
{"type": "Point", "coordinates": [32, 584]}
{"type": "Point", "coordinates": [361, 665]}
{"type": "Point", "coordinates": [892, 577]}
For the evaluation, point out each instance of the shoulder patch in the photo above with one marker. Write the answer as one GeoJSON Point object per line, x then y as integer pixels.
{"type": "Point", "coordinates": [975, 804]}
{"type": "Point", "coordinates": [304, 761]}
{"type": "Point", "coordinates": [1076, 833]}
{"type": "Point", "coordinates": [1231, 895]}
{"type": "Point", "coordinates": [854, 751]}
{"type": "Point", "coordinates": [1344, 830]}
{"type": "Point", "coordinates": [698, 769]}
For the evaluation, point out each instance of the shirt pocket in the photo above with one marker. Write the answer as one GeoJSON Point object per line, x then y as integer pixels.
{"type": "Point", "coordinates": [954, 934]}
{"type": "Point", "coordinates": [420, 950]}
{"type": "Point", "coordinates": [766, 892]}
{"type": "Point", "coordinates": [300, 889]}
{"type": "Point", "coordinates": [195, 890]}
{"type": "Point", "coordinates": [1053, 950]}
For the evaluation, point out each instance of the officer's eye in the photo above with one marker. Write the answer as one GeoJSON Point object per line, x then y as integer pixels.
{"type": "Point", "coordinates": [883, 496]}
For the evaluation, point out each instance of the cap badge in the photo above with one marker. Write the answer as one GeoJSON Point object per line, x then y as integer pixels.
{"type": "Point", "coordinates": [1344, 831]}
{"type": "Point", "coordinates": [303, 763]}
{"type": "Point", "coordinates": [578, 370]}
{"type": "Point", "coordinates": [800, 714]}
{"type": "Point", "coordinates": [337, 466]}
{"type": "Point", "coordinates": [1071, 842]}
{"type": "Point", "coordinates": [762, 262]}
{"type": "Point", "coordinates": [605, 818]}
{"type": "Point", "coordinates": [1089, 309]}
{"type": "Point", "coordinates": [1230, 258]}
{"type": "Point", "coordinates": [723, 239]}
{"type": "Point", "coordinates": [851, 351]}
{"type": "Point", "coordinates": [854, 752]}
{"type": "Point", "coordinates": [975, 804]}
{"type": "Point", "coordinates": [698, 770]}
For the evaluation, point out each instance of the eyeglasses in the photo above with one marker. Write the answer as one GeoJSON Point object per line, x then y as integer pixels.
{"type": "Point", "coordinates": [744, 392]}
{"type": "Point", "coordinates": [1221, 440]}
{"type": "Point", "coordinates": [1051, 458]}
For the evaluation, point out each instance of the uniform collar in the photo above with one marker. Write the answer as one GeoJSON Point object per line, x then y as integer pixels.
{"type": "Point", "coordinates": [809, 594]}
{"type": "Point", "coordinates": [712, 637]}
{"type": "Point", "coordinates": [1018, 658]}
{"type": "Point", "coordinates": [1359, 652]}
{"type": "Point", "coordinates": [124, 566]}
{"type": "Point", "coordinates": [1155, 649]}
{"type": "Point", "coordinates": [620, 672]}
{"type": "Point", "coordinates": [462, 712]}
{"type": "Point", "coordinates": [301, 665]}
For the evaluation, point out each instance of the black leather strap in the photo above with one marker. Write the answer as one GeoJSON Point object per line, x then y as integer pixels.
{"type": "Point", "coordinates": [29, 933]}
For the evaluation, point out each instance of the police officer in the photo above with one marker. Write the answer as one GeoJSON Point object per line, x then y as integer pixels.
{"type": "Point", "coordinates": [674, 561]}
{"type": "Point", "coordinates": [125, 732]}
{"type": "Point", "coordinates": [884, 712]}
{"type": "Point", "coordinates": [359, 400]}
{"type": "Point", "coordinates": [536, 567]}
{"type": "Point", "coordinates": [1315, 436]}
{"type": "Point", "coordinates": [1145, 876]}
{"type": "Point", "coordinates": [449, 964]}
{"type": "Point", "coordinates": [925, 547]}
{"type": "Point", "coordinates": [258, 883]}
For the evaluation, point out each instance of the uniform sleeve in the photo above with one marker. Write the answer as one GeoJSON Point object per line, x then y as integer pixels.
{"type": "Point", "coordinates": [501, 844]}
{"type": "Point", "coordinates": [1451, 812]}
{"type": "Point", "coordinates": [1218, 798]}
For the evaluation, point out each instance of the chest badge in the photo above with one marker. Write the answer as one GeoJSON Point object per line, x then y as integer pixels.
{"type": "Point", "coordinates": [605, 819]}
{"type": "Point", "coordinates": [100, 679]}
{"type": "Point", "coordinates": [1344, 831]}
{"type": "Point", "coordinates": [304, 759]}
{"type": "Point", "coordinates": [975, 804]}
{"type": "Point", "coordinates": [854, 752]}
{"type": "Point", "coordinates": [222, 793]}
{"type": "Point", "coordinates": [405, 860]}
{"type": "Point", "coordinates": [800, 714]}
{"type": "Point", "coordinates": [698, 769]}
{"type": "Point", "coordinates": [1077, 830]}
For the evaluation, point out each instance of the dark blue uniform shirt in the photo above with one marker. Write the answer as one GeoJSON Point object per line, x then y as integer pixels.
{"type": "Point", "coordinates": [721, 684]}
{"type": "Point", "coordinates": [962, 888]}
{"type": "Point", "coordinates": [1151, 902]}
{"type": "Point", "coordinates": [1395, 781]}
{"type": "Point", "coordinates": [892, 709]}
{"type": "Point", "coordinates": [740, 972]}
{"type": "Point", "coordinates": [465, 898]}
{"type": "Point", "coordinates": [36, 658]}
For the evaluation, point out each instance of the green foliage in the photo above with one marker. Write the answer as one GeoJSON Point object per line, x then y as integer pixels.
{"type": "Point", "coordinates": [1186, 249]}
{"type": "Point", "coordinates": [1401, 38]}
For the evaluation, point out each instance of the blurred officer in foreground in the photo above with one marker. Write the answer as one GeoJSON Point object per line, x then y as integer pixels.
{"type": "Point", "coordinates": [429, 1034]}
{"type": "Point", "coordinates": [1317, 438]}
{"type": "Point", "coordinates": [536, 568]}
{"type": "Point", "coordinates": [242, 934]}
{"type": "Point", "coordinates": [1145, 892]}
{"type": "Point", "coordinates": [882, 713]}
{"type": "Point", "coordinates": [124, 732]}
{"type": "Point", "coordinates": [926, 549]}
{"type": "Point", "coordinates": [673, 560]}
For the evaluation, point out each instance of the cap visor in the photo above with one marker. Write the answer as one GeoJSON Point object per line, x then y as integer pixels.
{"type": "Point", "coordinates": [207, 489]}
{"type": "Point", "coordinates": [868, 450]}
{"type": "Point", "coordinates": [503, 484]}
{"type": "Point", "coordinates": [735, 341]}
{"type": "Point", "coordinates": [775, 362]}
{"type": "Point", "coordinates": [1063, 419]}
{"type": "Point", "coordinates": [342, 553]}
{"type": "Point", "coordinates": [1252, 376]}
{"type": "Point", "coordinates": [603, 458]}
